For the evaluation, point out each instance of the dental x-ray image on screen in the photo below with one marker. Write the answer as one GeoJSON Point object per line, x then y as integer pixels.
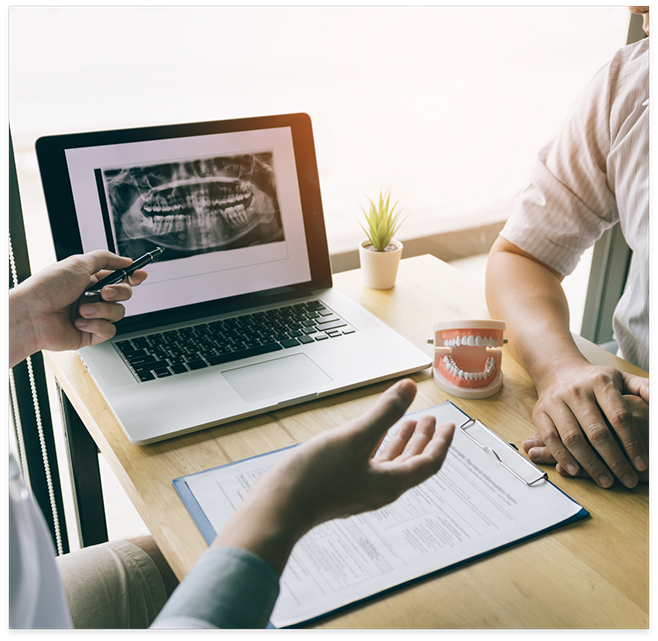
{"type": "Point", "coordinates": [194, 206]}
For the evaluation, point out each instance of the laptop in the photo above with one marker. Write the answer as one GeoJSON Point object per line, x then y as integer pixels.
{"type": "Point", "coordinates": [238, 315]}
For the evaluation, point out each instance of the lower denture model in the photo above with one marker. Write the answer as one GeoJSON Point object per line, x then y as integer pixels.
{"type": "Point", "coordinates": [466, 361]}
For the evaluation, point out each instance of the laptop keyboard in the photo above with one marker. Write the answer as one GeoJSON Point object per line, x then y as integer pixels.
{"type": "Point", "coordinates": [177, 351]}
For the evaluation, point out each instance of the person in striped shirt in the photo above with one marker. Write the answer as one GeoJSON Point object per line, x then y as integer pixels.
{"type": "Point", "coordinates": [590, 420]}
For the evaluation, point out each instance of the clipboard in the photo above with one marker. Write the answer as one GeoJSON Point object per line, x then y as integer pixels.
{"type": "Point", "coordinates": [536, 473]}
{"type": "Point", "coordinates": [481, 466]}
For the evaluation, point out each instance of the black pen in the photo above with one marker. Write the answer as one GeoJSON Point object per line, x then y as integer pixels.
{"type": "Point", "coordinates": [120, 274]}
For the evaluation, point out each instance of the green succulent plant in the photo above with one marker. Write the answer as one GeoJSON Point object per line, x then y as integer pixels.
{"type": "Point", "coordinates": [382, 221]}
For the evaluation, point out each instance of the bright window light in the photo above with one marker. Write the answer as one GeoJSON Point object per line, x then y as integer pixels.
{"type": "Point", "coordinates": [446, 106]}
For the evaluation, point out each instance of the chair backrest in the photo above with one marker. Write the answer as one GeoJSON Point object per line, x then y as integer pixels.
{"type": "Point", "coordinates": [28, 391]}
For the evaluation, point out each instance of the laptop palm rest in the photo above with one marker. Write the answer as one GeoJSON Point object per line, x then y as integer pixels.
{"type": "Point", "coordinates": [278, 378]}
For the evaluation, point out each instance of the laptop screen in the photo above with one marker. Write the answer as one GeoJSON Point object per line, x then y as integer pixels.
{"type": "Point", "coordinates": [230, 205]}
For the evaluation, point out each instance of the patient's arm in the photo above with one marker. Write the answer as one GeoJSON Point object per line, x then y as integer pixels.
{"type": "Point", "coordinates": [580, 414]}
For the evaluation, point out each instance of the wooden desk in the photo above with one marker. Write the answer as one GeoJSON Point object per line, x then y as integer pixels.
{"type": "Point", "coordinates": [592, 574]}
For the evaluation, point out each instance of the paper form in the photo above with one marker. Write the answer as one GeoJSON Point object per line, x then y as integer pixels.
{"type": "Point", "coordinates": [473, 505]}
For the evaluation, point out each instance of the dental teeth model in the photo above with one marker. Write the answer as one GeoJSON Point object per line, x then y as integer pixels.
{"type": "Point", "coordinates": [466, 361]}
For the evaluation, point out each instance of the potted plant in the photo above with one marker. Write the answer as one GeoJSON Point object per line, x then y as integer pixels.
{"type": "Point", "coordinates": [380, 253]}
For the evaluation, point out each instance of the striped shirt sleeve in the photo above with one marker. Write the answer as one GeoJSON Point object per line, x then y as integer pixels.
{"type": "Point", "coordinates": [594, 174]}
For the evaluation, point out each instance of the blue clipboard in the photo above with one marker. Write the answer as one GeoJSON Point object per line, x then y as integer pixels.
{"type": "Point", "coordinates": [209, 533]}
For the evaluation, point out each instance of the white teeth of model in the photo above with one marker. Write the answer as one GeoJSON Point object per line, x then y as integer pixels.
{"type": "Point", "coordinates": [468, 376]}
{"type": "Point", "coordinates": [470, 341]}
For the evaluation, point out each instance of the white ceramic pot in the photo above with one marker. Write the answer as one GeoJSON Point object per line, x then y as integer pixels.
{"type": "Point", "coordinates": [379, 269]}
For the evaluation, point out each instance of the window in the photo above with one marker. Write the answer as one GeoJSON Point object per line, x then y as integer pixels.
{"type": "Point", "coordinates": [447, 106]}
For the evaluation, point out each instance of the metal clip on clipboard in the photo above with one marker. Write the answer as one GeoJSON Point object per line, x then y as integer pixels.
{"type": "Point", "coordinates": [472, 421]}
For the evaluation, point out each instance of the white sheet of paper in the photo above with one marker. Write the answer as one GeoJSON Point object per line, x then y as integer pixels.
{"type": "Point", "coordinates": [472, 506]}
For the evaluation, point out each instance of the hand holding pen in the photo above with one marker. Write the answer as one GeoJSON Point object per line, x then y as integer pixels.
{"type": "Point", "coordinates": [119, 275]}
{"type": "Point", "coordinates": [49, 311]}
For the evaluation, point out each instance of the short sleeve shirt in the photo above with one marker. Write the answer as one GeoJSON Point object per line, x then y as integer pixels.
{"type": "Point", "coordinates": [594, 174]}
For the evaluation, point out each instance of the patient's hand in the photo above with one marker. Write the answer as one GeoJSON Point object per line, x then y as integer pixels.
{"type": "Point", "coordinates": [540, 454]}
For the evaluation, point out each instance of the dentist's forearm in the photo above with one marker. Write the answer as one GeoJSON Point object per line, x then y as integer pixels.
{"type": "Point", "coordinates": [254, 532]}
{"type": "Point", "coordinates": [530, 299]}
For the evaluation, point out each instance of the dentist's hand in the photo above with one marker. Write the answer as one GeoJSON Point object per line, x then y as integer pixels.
{"type": "Point", "coordinates": [46, 311]}
{"type": "Point", "coordinates": [335, 475]}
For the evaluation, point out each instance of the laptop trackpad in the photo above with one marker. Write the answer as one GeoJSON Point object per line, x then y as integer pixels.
{"type": "Point", "coordinates": [278, 378]}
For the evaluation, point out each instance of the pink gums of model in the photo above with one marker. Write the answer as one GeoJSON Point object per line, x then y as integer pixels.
{"type": "Point", "coordinates": [467, 362]}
